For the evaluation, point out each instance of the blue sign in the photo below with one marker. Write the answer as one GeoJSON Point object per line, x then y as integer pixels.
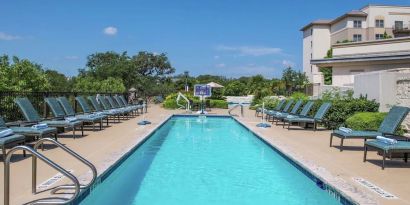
{"type": "Point", "coordinates": [202, 90]}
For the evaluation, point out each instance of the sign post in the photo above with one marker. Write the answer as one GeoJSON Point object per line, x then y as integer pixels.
{"type": "Point", "coordinates": [202, 91]}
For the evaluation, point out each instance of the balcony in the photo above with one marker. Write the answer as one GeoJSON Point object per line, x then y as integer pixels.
{"type": "Point", "coordinates": [401, 30]}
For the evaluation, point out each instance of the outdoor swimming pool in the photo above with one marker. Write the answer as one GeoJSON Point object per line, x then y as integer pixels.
{"type": "Point", "coordinates": [213, 160]}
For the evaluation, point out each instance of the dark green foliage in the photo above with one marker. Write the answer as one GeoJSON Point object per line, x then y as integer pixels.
{"type": "Point", "coordinates": [344, 108]}
{"type": "Point", "coordinates": [170, 101]}
{"type": "Point", "coordinates": [235, 88]}
{"type": "Point", "coordinates": [365, 121]}
{"type": "Point", "coordinates": [327, 75]}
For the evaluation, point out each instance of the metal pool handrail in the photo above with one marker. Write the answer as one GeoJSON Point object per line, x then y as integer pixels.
{"type": "Point", "coordinates": [232, 108]}
{"type": "Point", "coordinates": [72, 153]}
{"type": "Point", "coordinates": [47, 161]}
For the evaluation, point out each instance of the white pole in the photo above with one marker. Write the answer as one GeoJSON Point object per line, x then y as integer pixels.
{"type": "Point", "coordinates": [263, 112]}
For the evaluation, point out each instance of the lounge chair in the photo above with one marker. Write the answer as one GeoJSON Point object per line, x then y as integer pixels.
{"type": "Point", "coordinates": [270, 115]}
{"type": "Point", "coordinates": [30, 131]}
{"type": "Point", "coordinates": [282, 115]}
{"type": "Point", "coordinates": [32, 116]}
{"type": "Point", "coordinates": [387, 150]}
{"type": "Point", "coordinates": [318, 118]}
{"type": "Point", "coordinates": [122, 105]}
{"type": "Point", "coordinates": [87, 110]}
{"type": "Point", "coordinates": [106, 110]}
{"type": "Point", "coordinates": [389, 125]}
{"type": "Point", "coordinates": [114, 105]}
{"type": "Point", "coordinates": [62, 118]}
{"type": "Point", "coordinates": [87, 118]}
{"type": "Point", "coordinates": [10, 139]}
{"type": "Point", "coordinates": [277, 108]}
{"type": "Point", "coordinates": [108, 106]}
{"type": "Point", "coordinates": [303, 113]}
{"type": "Point", "coordinates": [139, 107]}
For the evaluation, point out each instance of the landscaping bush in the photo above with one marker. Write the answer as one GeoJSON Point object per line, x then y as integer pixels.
{"type": "Point", "coordinates": [170, 101]}
{"type": "Point", "coordinates": [365, 121]}
{"type": "Point", "coordinates": [344, 108]}
{"type": "Point", "coordinates": [368, 121]}
{"type": "Point", "coordinates": [299, 96]}
{"type": "Point", "coordinates": [270, 103]}
{"type": "Point", "coordinates": [219, 104]}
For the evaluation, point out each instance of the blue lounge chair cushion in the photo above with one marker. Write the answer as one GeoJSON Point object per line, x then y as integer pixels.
{"type": "Point", "coordinates": [300, 119]}
{"type": "Point", "coordinates": [33, 132]}
{"type": "Point", "coordinates": [90, 118]}
{"type": "Point", "coordinates": [400, 145]}
{"type": "Point", "coordinates": [355, 134]}
{"type": "Point", "coordinates": [11, 139]}
{"type": "Point", "coordinates": [61, 123]}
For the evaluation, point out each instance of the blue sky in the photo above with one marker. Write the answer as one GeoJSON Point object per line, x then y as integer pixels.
{"type": "Point", "coordinates": [222, 37]}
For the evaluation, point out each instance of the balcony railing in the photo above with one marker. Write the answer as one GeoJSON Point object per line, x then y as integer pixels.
{"type": "Point", "coordinates": [400, 28]}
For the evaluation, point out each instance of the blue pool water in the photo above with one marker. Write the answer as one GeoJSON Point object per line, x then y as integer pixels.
{"type": "Point", "coordinates": [216, 160]}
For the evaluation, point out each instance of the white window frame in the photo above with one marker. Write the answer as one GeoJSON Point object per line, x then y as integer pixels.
{"type": "Point", "coordinates": [357, 37]}
{"type": "Point", "coordinates": [357, 24]}
{"type": "Point", "coordinates": [379, 23]}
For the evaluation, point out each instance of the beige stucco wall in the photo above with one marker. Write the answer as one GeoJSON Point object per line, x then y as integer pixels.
{"type": "Point", "coordinates": [320, 45]}
{"type": "Point", "coordinates": [344, 75]}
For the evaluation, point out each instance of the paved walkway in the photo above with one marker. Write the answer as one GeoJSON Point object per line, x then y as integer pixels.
{"type": "Point", "coordinates": [310, 149]}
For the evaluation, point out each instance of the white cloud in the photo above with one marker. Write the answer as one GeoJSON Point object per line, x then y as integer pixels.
{"type": "Point", "coordinates": [220, 65]}
{"type": "Point", "coordinates": [216, 57]}
{"type": "Point", "coordinates": [250, 50]}
{"type": "Point", "coordinates": [244, 70]}
{"type": "Point", "coordinates": [71, 57]}
{"type": "Point", "coordinates": [110, 30]}
{"type": "Point", "coordinates": [288, 63]}
{"type": "Point", "coordinates": [8, 37]}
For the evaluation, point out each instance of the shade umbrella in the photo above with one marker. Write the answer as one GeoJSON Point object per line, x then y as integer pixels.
{"type": "Point", "coordinates": [215, 85]}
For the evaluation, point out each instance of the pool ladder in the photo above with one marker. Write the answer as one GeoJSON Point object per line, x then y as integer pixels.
{"type": "Point", "coordinates": [234, 107]}
{"type": "Point", "coordinates": [76, 186]}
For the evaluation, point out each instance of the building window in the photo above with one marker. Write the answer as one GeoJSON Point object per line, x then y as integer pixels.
{"type": "Point", "coordinates": [357, 37]}
{"type": "Point", "coordinates": [311, 69]}
{"type": "Point", "coordinates": [311, 44]}
{"type": "Point", "coordinates": [311, 56]}
{"type": "Point", "coordinates": [357, 24]}
{"type": "Point", "coordinates": [398, 25]}
{"type": "Point", "coordinates": [379, 23]}
{"type": "Point", "coordinates": [379, 36]}
{"type": "Point", "coordinates": [311, 31]}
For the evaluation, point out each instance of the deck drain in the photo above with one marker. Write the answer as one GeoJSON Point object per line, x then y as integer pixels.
{"type": "Point", "coordinates": [46, 184]}
{"type": "Point", "coordinates": [374, 188]}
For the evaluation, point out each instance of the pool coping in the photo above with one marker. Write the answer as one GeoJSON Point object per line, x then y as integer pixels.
{"type": "Point", "coordinates": [320, 181]}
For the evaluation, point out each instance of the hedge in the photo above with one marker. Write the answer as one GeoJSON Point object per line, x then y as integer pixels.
{"type": "Point", "coordinates": [365, 121]}
{"type": "Point", "coordinates": [342, 109]}
{"type": "Point", "coordinates": [170, 101]}
{"type": "Point", "coordinates": [370, 121]}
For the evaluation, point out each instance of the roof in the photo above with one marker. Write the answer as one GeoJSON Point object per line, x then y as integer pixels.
{"type": "Point", "coordinates": [373, 57]}
{"type": "Point", "coordinates": [317, 22]}
{"type": "Point", "coordinates": [353, 13]}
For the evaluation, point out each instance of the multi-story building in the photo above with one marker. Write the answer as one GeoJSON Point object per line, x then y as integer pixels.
{"type": "Point", "coordinates": [376, 37]}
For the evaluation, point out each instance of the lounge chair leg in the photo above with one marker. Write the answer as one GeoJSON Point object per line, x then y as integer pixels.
{"type": "Point", "coordinates": [101, 124]}
{"type": "Point", "coordinates": [55, 136]}
{"type": "Point", "coordinates": [384, 159]}
{"type": "Point", "coordinates": [73, 132]}
{"type": "Point", "coordinates": [406, 157]}
{"type": "Point", "coordinates": [107, 121]}
{"type": "Point", "coordinates": [24, 151]}
{"type": "Point", "coordinates": [341, 144]}
{"type": "Point", "coordinates": [93, 126]}
{"type": "Point", "coordinates": [365, 154]}
{"type": "Point", "coordinates": [82, 130]}
{"type": "Point", "coordinates": [3, 149]}
{"type": "Point", "coordinates": [331, 139]}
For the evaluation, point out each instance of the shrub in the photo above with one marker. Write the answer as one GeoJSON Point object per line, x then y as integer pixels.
{"type": "Point", "coordinates": [170, 101]}
{"type": "Point", "coordinates": [299, 96]}
{"type": "Point", "coordinates": [219, 104]}
{"type": "Point", "coordinates": [369, 121]}
{"type": "Point", "coordinates": [344, 108]}
{"type": "Point", "coordinates": [365, 121]}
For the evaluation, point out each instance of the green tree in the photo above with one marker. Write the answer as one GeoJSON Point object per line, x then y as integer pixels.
{"type": "Point", "coordinates": [22, 75]}
{"type": "Point", "coordinates": [235, 88]}
{"type": "Point", "coordinates": [58, 81]}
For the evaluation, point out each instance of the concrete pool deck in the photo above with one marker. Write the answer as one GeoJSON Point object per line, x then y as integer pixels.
{"type": "Point", "coordinates": [311, 149]}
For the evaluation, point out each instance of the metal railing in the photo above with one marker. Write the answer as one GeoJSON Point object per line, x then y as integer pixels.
{"type": "Point", "coordinates": [51, 200]}
{"type": "Point", "coordinates": [69, 151]}
{"type": "Point", "coordinates": [234, 107]}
